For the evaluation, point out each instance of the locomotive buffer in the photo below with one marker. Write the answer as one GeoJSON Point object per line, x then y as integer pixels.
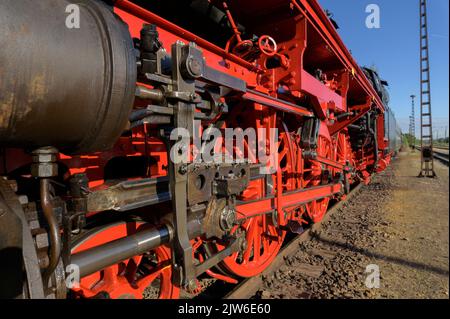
{"type": "Point", "coordinates": [426, 128]}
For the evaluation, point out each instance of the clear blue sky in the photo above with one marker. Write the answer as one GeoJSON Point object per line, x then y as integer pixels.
{"type": "Point", "coordinates": [394, 50]}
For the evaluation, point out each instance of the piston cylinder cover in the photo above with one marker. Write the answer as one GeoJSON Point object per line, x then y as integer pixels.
{"type": "Point", "coordinates": [67, 75]}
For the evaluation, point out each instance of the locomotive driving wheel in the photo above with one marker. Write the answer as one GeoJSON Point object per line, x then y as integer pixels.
{"type": "Point", "coordinates": [263, 236]}
{"type": "Point", "coordinates": [317, 209]}
{"type": "Point", "coordinates": [149, 274]}
{"type": "Point", "coordinates": [344, 155]}
{"type": "Point", "coordinates": [318, 175]}
{"type": "Point", "coordinates": [263, 239]}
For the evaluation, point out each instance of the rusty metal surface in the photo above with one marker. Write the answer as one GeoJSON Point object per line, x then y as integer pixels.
{"type": "Point", "coordinates": [127, 195]}
{"type": "Point", "coordinates": [17, 248]}
{"type": "Point", "coordinates": [68, 88]}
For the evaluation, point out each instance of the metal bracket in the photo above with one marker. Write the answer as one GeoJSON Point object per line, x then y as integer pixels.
{"type": "Point", "coordinates": [188, 66]}
{"type": "Point", "coordinates": [215, 259]}
{"type": "Point", "coordinates": [13, 216]}
{"type": "Point", "coordinates": [184, 271]}
{"type": "Point", "coordinates": [194, 67]}
{"type": "Point", "coordinates": [188, 97]}
{"type": "Point", "coordinates": [309, 137]}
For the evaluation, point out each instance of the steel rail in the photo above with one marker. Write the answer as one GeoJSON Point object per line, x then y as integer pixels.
{"type": "Point", "coordinates": [442, 157]}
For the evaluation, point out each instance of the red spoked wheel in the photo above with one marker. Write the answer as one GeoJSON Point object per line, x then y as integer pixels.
{"type": "Point", "coordinates": [267, 45]}
{"type": "Point", "coordinates": [317, 209]}
{"type": "Point", "coordinates": [345, 156]}
{"type": "Point", "coordinates": [149, 274]}
{"type": "Point", "coordinates": [263, 236]}
{"type": "Point", "coordinates": [344, 152]}
{"type": "Point", "coordinates": [263, 239]}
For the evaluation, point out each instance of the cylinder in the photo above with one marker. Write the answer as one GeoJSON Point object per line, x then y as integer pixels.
{"type": "Point", "coordinates": [149, 94]}
{"type": "Point", "coordinates": [67, 75]}
{"type": "Point", "coordinates": [100, 257]}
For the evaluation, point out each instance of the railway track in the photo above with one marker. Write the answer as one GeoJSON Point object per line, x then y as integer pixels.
{"type": "Point", "coordinates": [248, 287]}
{"type": "Point", "coordinates": [439, 154]}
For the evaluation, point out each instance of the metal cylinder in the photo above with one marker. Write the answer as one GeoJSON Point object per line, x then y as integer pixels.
{"type": "Point", "coordinates": [62, 83]}
{"type": "Point", "coordinates": [149, 94]}
{"type": "Point", "coordinates": [100, 257]}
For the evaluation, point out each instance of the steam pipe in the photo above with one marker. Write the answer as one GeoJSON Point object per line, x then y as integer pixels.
{"type": "Point", "coordinates": [55, 240]}
{"type": "Point", "coordinates": [232, 23]}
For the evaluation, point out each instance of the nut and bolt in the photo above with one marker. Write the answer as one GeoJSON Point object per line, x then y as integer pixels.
{"type": "Point", "coordinates": [195, 67]}
{"type": "Point", "coordinates": [183, 169]}
{"type": "Point", "coordinates": [44, 162]}
{"type": "Point", "coordinates": [242, 243]}
{"type": "Point", "coordinates": [227, 218]}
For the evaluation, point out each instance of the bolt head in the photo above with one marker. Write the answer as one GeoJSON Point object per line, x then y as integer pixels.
{"type": "Point", "coordinates": [195, 67]}
{"type": "Point", "coordinates": [228, 218]}
{"type": "Point", "coordinates": [44, 170]}
{"type": "Point", "coordinates": [183, 169]}
{"type": "Point", "coordinates": [243, 244]}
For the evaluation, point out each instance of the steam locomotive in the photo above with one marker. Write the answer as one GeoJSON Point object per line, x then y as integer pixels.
{"type": "Point", "coordinates": [118, 177]}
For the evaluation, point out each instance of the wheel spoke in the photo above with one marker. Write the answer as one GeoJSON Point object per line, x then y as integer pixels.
{"type": "Point", "coordinates": [163, 268]}
{"type": "Point", "coordinates": [250, 240]}
{"type": "Point", "coordinates": [257, 244]}
{"type": "Point", "coordinates": [263, 238]}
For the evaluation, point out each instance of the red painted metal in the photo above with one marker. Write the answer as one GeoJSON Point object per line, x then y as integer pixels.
{"type": "Point", "coordinates": [283, 97]}
{"type": "Point", "coordinates": [123, 281]}
{"type": "Point", "coordinates": [182, 34]}
{"type": "Point", "coordinates": [276, 103]}
{"type": "Point", "coordinates": [302, 187]}
{"type": "Point", "coordinates": [312, 10]}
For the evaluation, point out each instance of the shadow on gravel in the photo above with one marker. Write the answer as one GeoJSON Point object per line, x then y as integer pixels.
{"type": "Point", "coordinates": [396, 260]}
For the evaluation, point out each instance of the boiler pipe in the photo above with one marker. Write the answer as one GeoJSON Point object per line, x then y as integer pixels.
{"type": "Point", "coordinates": [55, 240]}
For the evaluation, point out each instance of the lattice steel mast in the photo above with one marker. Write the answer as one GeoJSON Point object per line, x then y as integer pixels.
{"type": "Point", "coordinates": [412, 124]}
{"type": "Point", "coordinates": [426, 127]}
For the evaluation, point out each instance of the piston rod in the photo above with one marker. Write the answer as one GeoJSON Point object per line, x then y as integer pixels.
{"type": "Point", "coordinates": [100, 257]}
{"type": "Point", "coordinates": [149, 94]}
